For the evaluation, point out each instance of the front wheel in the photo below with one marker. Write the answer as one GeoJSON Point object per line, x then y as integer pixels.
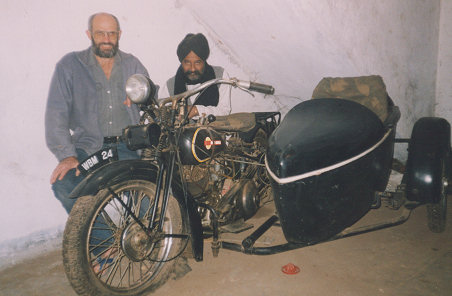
{"type": "Point", "coordinates": [107, 252]}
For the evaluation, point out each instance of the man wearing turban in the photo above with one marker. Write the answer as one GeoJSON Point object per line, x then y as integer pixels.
{"type": "Point", "coordinates": [193, 52]}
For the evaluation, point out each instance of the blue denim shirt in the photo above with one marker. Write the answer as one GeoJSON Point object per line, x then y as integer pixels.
{"type": "Point", "coordinates": [71, 118]}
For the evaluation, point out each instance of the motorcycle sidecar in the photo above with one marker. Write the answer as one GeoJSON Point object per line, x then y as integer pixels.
{"type": "Point", "coordinates": [329, 157]}
{"type": "Point", "coordinates": [326, 160]}
{"type": "Point", "coordinates": [329, 163]}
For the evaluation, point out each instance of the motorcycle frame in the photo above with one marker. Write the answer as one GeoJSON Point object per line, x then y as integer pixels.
{"type": "Point", "coordinates": [247, 245]}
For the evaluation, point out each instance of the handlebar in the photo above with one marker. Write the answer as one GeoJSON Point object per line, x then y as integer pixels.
{"type": "Point", "coordinates": [247, 85]}
{"type": "Point", "coordinates": [259, 87]}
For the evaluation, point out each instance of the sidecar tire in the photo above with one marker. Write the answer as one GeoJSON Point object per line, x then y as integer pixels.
{"type": "Point", "coordinates": [437, 213]}
{"type": "Point", "coordinates": [76, 258]}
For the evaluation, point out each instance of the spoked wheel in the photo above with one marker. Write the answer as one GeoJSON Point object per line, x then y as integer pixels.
{"type": "Point", "coordinates": [106, 251]}
{"type": "Point", "coordinates": [437, 213]}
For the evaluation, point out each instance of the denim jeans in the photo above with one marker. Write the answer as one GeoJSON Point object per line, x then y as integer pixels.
{"type": "Point", "coordinates": [62, 188]}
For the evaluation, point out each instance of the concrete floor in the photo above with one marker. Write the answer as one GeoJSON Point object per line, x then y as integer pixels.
{"type": "Point", "coordinates": [403, 260]}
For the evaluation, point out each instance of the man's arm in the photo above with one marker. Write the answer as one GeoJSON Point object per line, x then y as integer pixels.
{"type": "Point", "coordinates": [58, 137]}
{"type": "Point", "coordinates": [59, 102]}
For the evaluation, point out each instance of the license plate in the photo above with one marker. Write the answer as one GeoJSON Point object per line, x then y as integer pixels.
{"type": "Point", "coordinates": [98, 159]}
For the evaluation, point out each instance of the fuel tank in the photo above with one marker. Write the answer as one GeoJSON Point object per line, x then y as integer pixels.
{"type": "Point", "coordinates": [199, 144]}
{"type": "Point", "coordinates": [326, 160]}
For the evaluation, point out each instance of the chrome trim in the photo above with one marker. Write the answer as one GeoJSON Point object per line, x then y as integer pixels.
{"type": "Point", "coordinates": [325, 169]}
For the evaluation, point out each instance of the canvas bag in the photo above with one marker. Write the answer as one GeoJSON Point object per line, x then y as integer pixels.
{"type": "Point", "coordinates": [369, 91]}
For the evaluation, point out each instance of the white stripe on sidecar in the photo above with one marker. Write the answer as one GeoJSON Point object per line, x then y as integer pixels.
{"type": "Point", "coordinates": [326, 169]}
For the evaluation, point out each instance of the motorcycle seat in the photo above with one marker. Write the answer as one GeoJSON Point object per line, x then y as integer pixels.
{"type": "Point", "coordinates": [236, 122]}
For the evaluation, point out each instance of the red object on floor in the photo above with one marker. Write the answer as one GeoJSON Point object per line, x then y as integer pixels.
{"type": "Point", "coordinates": [290, 269]}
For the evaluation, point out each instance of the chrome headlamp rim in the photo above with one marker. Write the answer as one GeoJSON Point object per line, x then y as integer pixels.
{"type": "Point", "coordinates": [138, 88]}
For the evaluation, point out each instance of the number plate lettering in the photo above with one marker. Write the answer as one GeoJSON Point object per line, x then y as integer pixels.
{"type": "Point", "coordinates": [98, 159]}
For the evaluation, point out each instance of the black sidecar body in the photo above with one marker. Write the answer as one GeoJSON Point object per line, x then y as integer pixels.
{"type": "Point", "coordinates": [331, 156]}
{"type": "Point", "coordinates": [325, 180]}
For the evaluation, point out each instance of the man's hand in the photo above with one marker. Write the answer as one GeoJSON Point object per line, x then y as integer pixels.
{"type": "Point", "coordinates": [63, 167]}
{"type": "Point", "coordinates": [127, 102]}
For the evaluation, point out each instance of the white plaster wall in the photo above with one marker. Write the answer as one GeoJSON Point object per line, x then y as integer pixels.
{"type": "Point", "coordinates": [290, 44]}
{"type": "Point", "coordinates": [443, 107]}
{"type": "Point", "coordinates": [295, 43]}
{"type": "Point", "coordinates": [35, 35]}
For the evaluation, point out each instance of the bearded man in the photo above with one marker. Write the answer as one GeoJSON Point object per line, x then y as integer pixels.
{"type": "Point", "coordinates": [193, 52]}
{"type": "Point", "coordinates": [87, 106]}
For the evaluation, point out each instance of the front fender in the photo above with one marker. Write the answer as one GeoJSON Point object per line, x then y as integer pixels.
{"type": "Point", "coordinates": [428, 159]}
{"type": "Point", "coordinates": [137, 169]}
{"type": "Point", "coordinates": [113, 173]}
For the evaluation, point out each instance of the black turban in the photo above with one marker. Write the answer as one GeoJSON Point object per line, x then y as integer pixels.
{"type": "Point", "coordinates": [196, 43]}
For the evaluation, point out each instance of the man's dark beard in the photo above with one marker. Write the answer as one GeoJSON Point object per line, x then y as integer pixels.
{"type": "Point", "coordinates": [209, 97]}
{"type": "Point", "coordinates": [105, 54]}
{"type": "Point", "coordinates": [189, 81]}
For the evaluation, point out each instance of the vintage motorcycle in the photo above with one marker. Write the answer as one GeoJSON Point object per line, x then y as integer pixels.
{"type": "Point", "coordinates": [325, 166]}
{"type": "Point", "coordinates": [134, 218]}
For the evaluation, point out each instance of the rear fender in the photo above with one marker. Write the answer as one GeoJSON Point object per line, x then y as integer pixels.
{"type": "Point", "coordinates": [428, 159]}
{"type": "Point", "coordinates": [119, 171]}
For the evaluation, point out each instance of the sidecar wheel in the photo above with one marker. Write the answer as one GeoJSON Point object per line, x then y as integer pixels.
{"type": "Point", "coordinates": [131, 262]}
{"type": "Point", "coordinates": [437, 213]}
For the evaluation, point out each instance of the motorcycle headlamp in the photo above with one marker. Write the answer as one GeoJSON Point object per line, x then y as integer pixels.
{"type": "Point", "coordinates": [140, 89]}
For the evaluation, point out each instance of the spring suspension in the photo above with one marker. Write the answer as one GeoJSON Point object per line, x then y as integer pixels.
{"type": "Point", "coordinates": [148, 154]}
{"type": "Point", "coordinates": [154, 152]}
{"type": "Point", "coordinates": [164, 115]}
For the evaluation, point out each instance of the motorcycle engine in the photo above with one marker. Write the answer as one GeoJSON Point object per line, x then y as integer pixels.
{"type": "Point", "coordinates": [226, 184]}
{"type": "Point", "coordinates": [198, 180]}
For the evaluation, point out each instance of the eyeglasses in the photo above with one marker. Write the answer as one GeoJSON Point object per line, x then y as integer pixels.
{"type": "Point", "coordinates": [111, 35]}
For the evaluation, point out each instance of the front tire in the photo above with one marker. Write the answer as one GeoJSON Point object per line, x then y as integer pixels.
{"type": "Point", "coordinates": [131, 261]}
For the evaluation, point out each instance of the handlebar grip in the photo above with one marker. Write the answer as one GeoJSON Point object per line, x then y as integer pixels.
{"type": "Point", "coordinates": [262, 88]}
